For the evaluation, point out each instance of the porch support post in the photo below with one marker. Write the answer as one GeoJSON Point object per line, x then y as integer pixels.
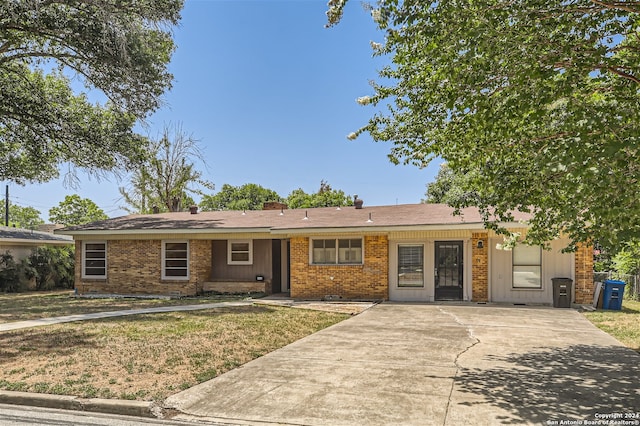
{"type": "Point", "coordinates": [584, 274]}
{"type": "Point", "coordinates": [480, 267]}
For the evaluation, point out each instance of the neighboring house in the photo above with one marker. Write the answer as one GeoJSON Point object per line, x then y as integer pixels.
{"type": "Point", "coordinates": [20, 242]}
{"type": "Point", "coordinates": [419, 252]}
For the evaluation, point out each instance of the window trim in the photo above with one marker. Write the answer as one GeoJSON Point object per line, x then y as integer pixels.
{"type": "Point", "coordinates": [163, 266]}
{"type": "Point", "coordinates": [337, 253]}
{"type": "Point", "coordinates": [397, 272]}
{"type": "Point", "coordinates": [84, 261]}
{"type": "Point", "coordinates": [230, 252]}
{"type": "Point", "coordinates": [531, 264]}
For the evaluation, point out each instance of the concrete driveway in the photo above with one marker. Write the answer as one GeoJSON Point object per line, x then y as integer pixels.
{"type": "Point", "coordinates": [423, 364]}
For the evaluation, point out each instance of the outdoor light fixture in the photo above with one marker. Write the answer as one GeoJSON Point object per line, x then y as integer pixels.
{"type": "Point", "coordinates": [480, 244]}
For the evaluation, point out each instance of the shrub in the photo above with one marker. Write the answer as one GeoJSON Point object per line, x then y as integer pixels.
{"type": "Point", "coordinates": [53, 267]}
{"type": "Point", "coordinates": [13, 276]}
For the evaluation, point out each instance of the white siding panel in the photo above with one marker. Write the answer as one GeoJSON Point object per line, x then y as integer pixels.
{"type": "Point", "coordinates": [554, 264]}
{"type": "Point", "coordinates": [411, 294]}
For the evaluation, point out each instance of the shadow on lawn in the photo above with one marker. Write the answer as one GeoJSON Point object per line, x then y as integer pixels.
{"type": "Point", "coordinates": [575, 382]}
{"type": "Point", "coordinates": [19, 343]}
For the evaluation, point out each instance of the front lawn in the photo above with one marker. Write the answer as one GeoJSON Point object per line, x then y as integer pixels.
{"type": "Point", "coordinates": [624, 325]}
{"type": "Point", "coordinates": [148, 357]}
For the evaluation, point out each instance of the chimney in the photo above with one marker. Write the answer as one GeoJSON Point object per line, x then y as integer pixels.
{"type": "Point", "coordinates": [357, 202]}
{"type": "Point", "coordinates": [155, 209]}
{"type": "Point", "coordinates": [274, 205]}
{"type": "Point", "coordinates": [193, 209]}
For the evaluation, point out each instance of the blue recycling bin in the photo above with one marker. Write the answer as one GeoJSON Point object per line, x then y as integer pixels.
{"type": "Point", "coordinates": [613, 293]}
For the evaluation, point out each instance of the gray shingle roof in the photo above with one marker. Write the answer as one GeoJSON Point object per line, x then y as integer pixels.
{"type": "Point", "coordinates": [27, 235]}
{"type": "Point", "coordinates": [294, 220]}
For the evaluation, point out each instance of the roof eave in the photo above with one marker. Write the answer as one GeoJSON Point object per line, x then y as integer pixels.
{"type": "Point", "coordinates": [392, 228]}
{"type": "Point", "coordinates": [25, 241]}
{"type": "Point", "coordinates": [93, 232]}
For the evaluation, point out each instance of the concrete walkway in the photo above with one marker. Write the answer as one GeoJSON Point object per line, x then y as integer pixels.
{"type": "Point", "coordinates": [430, 364]}
{"type": "Point", "coordinates": [16, 325]}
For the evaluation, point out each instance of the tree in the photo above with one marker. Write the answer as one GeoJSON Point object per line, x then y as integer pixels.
{"type": "Point", "coordinates": [539, 99]}
{"type": "Point", "coordinates": [76, 211]}
{"type": "Point", "coordinates": [167, 177]}
{"type": "Point", "coordinates": [51, 267]}
{"type": "Point", "coordinates": [451, 188]}
{"type": "Point", "coordinates": [325, 197]}
{"type": "Point", "coordinates": [117, 49]}
{"type": "Point", "coordinates": [627, 260]}
{"type": "Point", "coordinates": [21, 217]}
{"type": "Point", "coordinates": [249, 196]}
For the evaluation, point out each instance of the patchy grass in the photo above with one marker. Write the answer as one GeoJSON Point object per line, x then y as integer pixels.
{"type": "Point", "coordinates": [26, 306]}
{"type": "Point", "coordinates": [624, 325]}
{"type": "Point", "coordinates": [148, 357]}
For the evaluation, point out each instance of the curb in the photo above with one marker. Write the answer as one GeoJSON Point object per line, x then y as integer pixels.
{"type": "Point", "coordinates": [97, 405]}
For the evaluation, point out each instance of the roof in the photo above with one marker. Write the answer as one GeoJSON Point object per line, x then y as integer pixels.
{"type": "Point", "coordinates": [291, 221]}
{"type": "Point", "coordinates": [30, 237]}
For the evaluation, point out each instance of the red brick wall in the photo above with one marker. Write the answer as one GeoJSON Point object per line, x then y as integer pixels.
{"type": "Point", "coordinates": [135, 267]}
{"type": "Point", "coordinates": [480, 267]}
{"type": "Point", "coordinates": [367, 281]}
{"type": "Point", "coordinates": [584, 274]}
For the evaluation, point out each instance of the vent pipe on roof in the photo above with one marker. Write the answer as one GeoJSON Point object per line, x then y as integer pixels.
{"type": "Point", "coordinates": [193, 209]}
{"type": "Point", "coordinates": [357, 202]}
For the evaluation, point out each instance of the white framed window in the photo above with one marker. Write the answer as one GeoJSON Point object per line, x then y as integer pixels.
{"type": "Point", "coordinates": [94, 259]}
{"type": "Point", "coordinates": [411, 265]}
{"type": "Point", "coordinates": [240, 252]}
{"type": "Point", "coordinates": [175, 260]}
{"type": "Point", "coordinates": [527, 266]}
{"type": "Point", "coordinates": [341, 251]}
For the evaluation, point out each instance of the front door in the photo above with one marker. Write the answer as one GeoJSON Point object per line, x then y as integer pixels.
{"type": "Point", "coordinates": [448, 270]}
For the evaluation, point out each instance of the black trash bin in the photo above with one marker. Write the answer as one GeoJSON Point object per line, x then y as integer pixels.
{"type": "Point", "coordinates": [562, 292]}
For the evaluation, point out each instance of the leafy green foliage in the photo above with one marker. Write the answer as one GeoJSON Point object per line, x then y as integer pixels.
{"type": "Point", "coordinates": [627, 260]}
{"type": "Point", "coordinates": [539, 100]}
{"type": "Point", "coordinates": [325, 197]}
{"type": "Point", "coordinates": [118, 49]}
{"type": "Point", "coordinates": [451, 188]}
{"type": "Point", "coordinates": [52, 267]}
{"type": "Point", "coordinates": [12, 274]}
{"type": "Point", "coordinates": [21, 217]}
{"type": "Point", "coordinates": [168, 176]}
{"type": "Point", "coordinates": [249, 196]}
{"type": "Point", "coordinates": [75, 210]}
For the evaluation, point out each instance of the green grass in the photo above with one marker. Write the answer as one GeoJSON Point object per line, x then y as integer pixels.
{"type": "Point", "coordinates": [27, 306]}
{"type": "Point", "coordinates": [624, 325]}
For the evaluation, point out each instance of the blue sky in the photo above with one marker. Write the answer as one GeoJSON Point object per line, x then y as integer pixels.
{"type": "Point", "coordinates": [270, 93]}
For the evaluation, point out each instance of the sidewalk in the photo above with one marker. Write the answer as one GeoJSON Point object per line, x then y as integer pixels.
{"type": "Point", "coordinates": [109, 314]}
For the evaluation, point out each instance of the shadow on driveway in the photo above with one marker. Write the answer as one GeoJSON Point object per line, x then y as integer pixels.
{"type": "Point", "coordinates": [555, 384]}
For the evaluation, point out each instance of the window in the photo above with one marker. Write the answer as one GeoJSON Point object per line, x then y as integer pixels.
{"type": "Point", "coordinates": [411, 265]}
{"type": "Point", "coordinates": [175, 260]}
{"type": "Point", "coordinates": [527, 266]}
{"type": "Point", "coordinates": [345, 251]}
{"type": "Point", "coordinates": [94, 260]}
{"type": "Point", "coordinates": [240, 252]}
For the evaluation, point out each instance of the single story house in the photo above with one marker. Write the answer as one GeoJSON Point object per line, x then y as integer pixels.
{"type": "Point", "coordinates": [417, 252]}
{"type": "Point", "coordinates": [19, 242]}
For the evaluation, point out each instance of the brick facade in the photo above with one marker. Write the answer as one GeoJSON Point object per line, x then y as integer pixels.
{"type": "Point", "coordinates": [135, 267]}
{"type": "Point", "coordinates": [367, 281]}
{"type": "Point", "coordinates": [583, 284]}
{"type": "Point", "coordinates": [480, 267]}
